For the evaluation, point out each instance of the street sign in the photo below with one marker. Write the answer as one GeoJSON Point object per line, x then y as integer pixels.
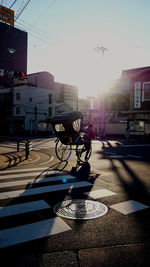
{"type": "Point", "coordinates": [137, 95]}
{"type": "Point", "coordinates": [6, 15]}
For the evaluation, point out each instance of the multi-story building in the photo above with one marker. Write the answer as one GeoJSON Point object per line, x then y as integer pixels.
{"type": "Point", "coordinates": [33, 107]}
{"type": "Point", "coordinates": [139, 111]}
{"type": "Point", "coordinates": [41, 79]}
{"type": "Point", "coordinates": [13, 48]}
{"type": "Point", "coordinates": [13, 61]}
{"type": "Point", "coordinates": [66, 97]}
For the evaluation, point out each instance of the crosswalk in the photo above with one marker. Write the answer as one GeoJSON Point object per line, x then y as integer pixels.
{"type": "Point", "coordinates": [22, 185]}
{"type": "Point", "coordinates": [23, 193]}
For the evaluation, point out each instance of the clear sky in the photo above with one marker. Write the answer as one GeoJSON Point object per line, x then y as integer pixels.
{"type": "Point", "coordinates": [63, 33]}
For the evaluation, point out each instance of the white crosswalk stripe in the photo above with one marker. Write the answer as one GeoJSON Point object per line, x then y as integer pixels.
{"type": "Point", "coordinates": [36, 178]}
{"type": "Point", "coordinates": [33, 231]}
{"type": "Point", "coordinates": [23, 208]}
{"type": "Point", "coordinates": [36, 181]}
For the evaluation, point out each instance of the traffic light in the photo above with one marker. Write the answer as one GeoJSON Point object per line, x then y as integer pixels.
{"type": "Point", "coordinates": [19, 74]}
{"type": "Point", "coordinates": [24, 74]}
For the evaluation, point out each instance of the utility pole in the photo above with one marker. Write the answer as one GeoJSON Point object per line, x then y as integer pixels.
{"type": "Point", "coordinates": [103, 50]}
{"type": "Point", "coordinates": [100, 48]}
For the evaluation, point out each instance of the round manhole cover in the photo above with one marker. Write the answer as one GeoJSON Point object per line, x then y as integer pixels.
{"type": "Point", "coordinates": [80, 209]}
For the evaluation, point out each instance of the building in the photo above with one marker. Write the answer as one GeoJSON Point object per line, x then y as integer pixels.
{"type": "Point", "coordinates": [139, 112]}
{"type": "Point", "coordinates": [41, 79]}
{"type": "Point", "coordinates": [66, 96]}
{"type": "Point", "coordinates": [33, 107]}
{"type": "Point", "coordinates": [13, 50]}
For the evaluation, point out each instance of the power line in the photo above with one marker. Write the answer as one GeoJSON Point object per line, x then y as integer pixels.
{"type": "Point", "coordinates": [35, 29]}
{"type": "Point", "coordinates": [11, 26]}
{"type": "Point", "coordinates": [36, 33]}
{"type": "Point", "coordinates": [46, 10]}
{"type": "Point", "coordinates": [13, 3]}
{"type": "Point", "coordinates": [26, 4]}
{"type": "Point", "coordinates": [20, 7]}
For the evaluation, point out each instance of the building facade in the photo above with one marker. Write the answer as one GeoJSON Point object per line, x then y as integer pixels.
{"type": "Point", "coordinates": [33, 108]}
{"type": "Point", "coordinates": [13, 50]}
{"type": "Point", "coordinates": [66, 96]}
{"type": "Point", "coordinates": [41, 79]}
{"type": "Point", "coordinates": [139, 112]}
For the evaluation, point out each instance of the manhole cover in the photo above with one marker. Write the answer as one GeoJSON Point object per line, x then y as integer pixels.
{"type": "Point", "coordinates": [80, 209]}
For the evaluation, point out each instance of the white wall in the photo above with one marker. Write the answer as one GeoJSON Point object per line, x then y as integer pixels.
{"type": "Point", "coordinates": [40, 99]}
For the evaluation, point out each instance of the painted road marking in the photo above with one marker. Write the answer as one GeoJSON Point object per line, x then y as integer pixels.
{"type": "Point", "coordinates": [23, 175]}
{"type": "Point", "coordinates": [132, 156]}
{"type": "Point", "coordinates": [134, 145]}
{"type": "Point", "coordinates": [51, 158]}
{"type": "Point", "coordinates": [116, 156]}
{"type": "Point", "coordinates": [30, 170]}
{"type": "Point", "coordinates": [32, 181]}
{"type": "Point", "coordinates": [99, 193]}
{"type": "Point", "coordinates": [23, 208]}
{"type": "Point", "coordinates": [43, 190]}
{"type": "Point", "coordinates": [129, 206]}
{"type": "Point", "coordinates": [110, 153]}
{"type": "Point", "coordinates": [33, 231]}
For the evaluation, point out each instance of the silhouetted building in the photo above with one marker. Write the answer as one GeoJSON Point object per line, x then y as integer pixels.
{"type": "Point", "coordinates": [13, 53]}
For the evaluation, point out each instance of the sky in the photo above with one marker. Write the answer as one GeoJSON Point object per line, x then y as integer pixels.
{"type": "Point", "coordinates": [63, 35]}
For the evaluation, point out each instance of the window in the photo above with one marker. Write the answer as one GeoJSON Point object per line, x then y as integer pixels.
{"type": "Point", "coordinates": [17, 110]}
{"type": "Point", "coordinates": [30, 99]}
{"type": "Point", "coordinates": [17, 96]}
{"type": "Point", "coordinates": [50, 99]}
{"type": "Point", "coordinates": [59, 128]}
{"type": "Point", "coordinates": [50, 112]}
{"type": "Point", "coordinates": [146, 91]}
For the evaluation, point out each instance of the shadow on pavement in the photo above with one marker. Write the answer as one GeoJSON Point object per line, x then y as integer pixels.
{"type": "Point", "coordinates": [132, 185]}
{"type": "Point", "coordinates": [11, 159]}
{"type": "Point", "coordinates": [52, 199]}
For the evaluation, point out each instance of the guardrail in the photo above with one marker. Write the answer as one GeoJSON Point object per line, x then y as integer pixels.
{"type": "Point", "coordinates": [26, 145]}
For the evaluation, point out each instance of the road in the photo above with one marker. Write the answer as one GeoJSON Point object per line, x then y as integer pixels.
{"type": "Point", "coordinates": [117, 183]}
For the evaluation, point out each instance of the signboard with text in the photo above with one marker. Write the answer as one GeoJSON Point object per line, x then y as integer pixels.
{"type": "Point", "coordinates": [6, 15]}
{"type": "Point", "coordinates": [137, 95]}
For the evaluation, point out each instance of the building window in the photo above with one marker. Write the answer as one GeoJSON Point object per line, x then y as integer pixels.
{"type": "Point", "coordinates": [146, 91]}
{"type": "Point", "coordinates": [17, 96]}
{"type": "Point", "coordinates": [50, 112]}
{"type": "Point", "coordinates": [50, 99]}
{"type": "Point", "coordinates": [17, 110]}
{"type": "Point", "coordinates": [30, 99]}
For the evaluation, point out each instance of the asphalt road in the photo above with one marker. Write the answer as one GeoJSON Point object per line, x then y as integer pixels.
{"type": "Point", "coordinates": [116, 180]}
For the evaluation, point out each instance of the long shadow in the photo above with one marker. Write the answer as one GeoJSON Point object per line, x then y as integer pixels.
{"type": "Point", "coordinates": [132, 187]}
{"type": "Point", "coordinates": [13, 159]}
{"type": "Point", "coordinates": [136, 186]}
{"type": "Point", "coordinates": [51, 198]}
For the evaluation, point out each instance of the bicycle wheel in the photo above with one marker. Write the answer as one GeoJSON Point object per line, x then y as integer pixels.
{"type": "Point", "coordinates": [62, 151]}
{"type": "Point", "coordinates": [83, 150]}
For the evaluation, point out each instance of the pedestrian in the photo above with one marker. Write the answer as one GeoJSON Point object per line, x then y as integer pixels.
{"type": "Point", "coordinates": [91, 133]}
{"type": "Point", "coordinates": [127, 133]}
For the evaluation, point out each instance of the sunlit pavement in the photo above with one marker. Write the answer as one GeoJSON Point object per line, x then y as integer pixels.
{"type": "Point", "coordinates": [119, 179]}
